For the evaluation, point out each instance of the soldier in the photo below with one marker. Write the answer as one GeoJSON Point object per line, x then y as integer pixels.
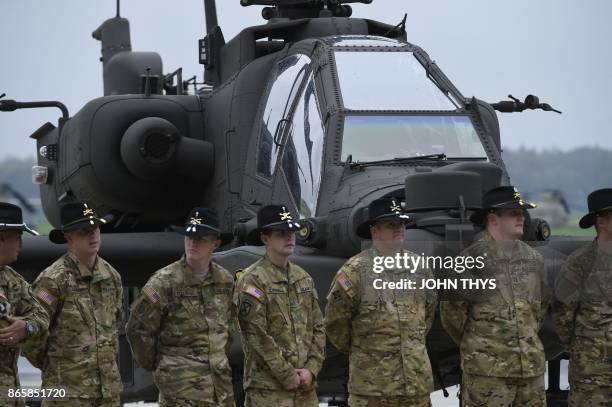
{"type": "Point", "coordinates": [496, 329]}
{"type": "Point", "coordinates": [22, 319]}
{"type": "Point", "coordinates": [583, 308]}
{"type": "Point", "coordinates": [280, 319]}
{"type": "Point", "coordinates": [382, 330]}
{"type": "Point", "coordinates": [182, 321]}
{"type": "Point", "coordinates": [83, 296]}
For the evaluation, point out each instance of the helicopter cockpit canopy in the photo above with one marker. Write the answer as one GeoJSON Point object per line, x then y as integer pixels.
{"type": "Point", "coordinates": [387, 93]}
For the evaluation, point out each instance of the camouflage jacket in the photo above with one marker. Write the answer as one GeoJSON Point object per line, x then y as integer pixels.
{"type": "Point", "coordinates": [583, 314]}
{"type": "Point", "coordinates": [79, 353]}
{"type": "Point", "coordinates": [382, 330]}
{"type": "Point", "coordinates": [17, 300]}
{"type": "Point", "coordinates": [497, 329]}
{"type": "Point", "coordinates": [179, 328]}
{"type": "Point", "coordinates": [281, 324]}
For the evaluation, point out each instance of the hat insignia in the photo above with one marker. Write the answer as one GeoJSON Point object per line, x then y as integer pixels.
{"type": "Point", "coordinates": [88, 212]}
{"type": "Point", "coordinates": [285, 215]}
{"type": "Point", "coordinates": [395, 207]}
{"type": "Point", "coordinates": [195, 221]}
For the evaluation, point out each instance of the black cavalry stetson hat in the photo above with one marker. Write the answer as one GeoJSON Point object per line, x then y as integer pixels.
{"type": "Point", "coordinates": [505, 197]}
{"type": "Point", "coordinates": [272, 217]}
{"type": "Point", "coordinates": [598, 201]}
{"type": "Point", "coordinates": [11, 218]}
{"type": "Point", "coordinates": [74, 216]}
{"type": "Point", "coordinates": [203, 222]}
{"type": "Point", "coordinates": [381, 209]}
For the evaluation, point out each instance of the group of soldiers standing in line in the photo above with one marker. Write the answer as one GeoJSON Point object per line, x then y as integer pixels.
{"type": "Point", "coordinates": [181, 324]}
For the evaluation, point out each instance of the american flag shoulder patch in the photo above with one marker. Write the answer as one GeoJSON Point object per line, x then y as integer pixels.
{"type": "Point", "coordinates": [344, 282]}
{"type": "Point", "coordinates": [253, 291]}
{"type": "Point", "coordinates": [151, 294]}
{"type": "Point", "coordinates": [45, 296]}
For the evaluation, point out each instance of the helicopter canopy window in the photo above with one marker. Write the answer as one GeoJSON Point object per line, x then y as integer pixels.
{"type": "Point", "coordinates": [285, 83]}
{"type": "Point", "coordinates": [384, 137]}
{"type": "Point", "coordinates": [361, 41]}
{"type": "Point", "coordinates": [387, 81]}
{"type": "Point", "coordinates": [303, 155]}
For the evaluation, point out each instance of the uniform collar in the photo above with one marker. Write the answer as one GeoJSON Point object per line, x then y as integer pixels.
{"type": "Point", "coordinates": [192, 278]}
{"type": "Point", "coordinates": [279, 274]}
{"type": "Point", "coordinates": [600, 251]}
{"type": "Point", "coordinates": [496, 248]}
{"type": "Point", "coordinates": [97, 273]}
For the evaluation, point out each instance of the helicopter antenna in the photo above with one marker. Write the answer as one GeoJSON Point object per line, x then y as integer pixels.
{"type": "Point", "coordinates": [118, 7]}
{"type": "Point", "coordinates": [401, 26]}
{"type": "Point", "coordinates": [210, 13]}
{"type": "Point", "coordinates": [147, 89]}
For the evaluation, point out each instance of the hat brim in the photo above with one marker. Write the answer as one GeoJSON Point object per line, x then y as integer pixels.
{"type": "Point", "coordinates": [479, 216]}
{"type": "Point", "coordinates": [254, 236]}
{"type": "Point", "coordinates": [22, 226]}
{"type": "Point", "coordinates": [57, 235]}
{"type": "Point", "coordinates": [203, 230]}
{"type": "Point", "coordinates": [588, 220]}
{"type": "Point", "coordinates": [363, 230]}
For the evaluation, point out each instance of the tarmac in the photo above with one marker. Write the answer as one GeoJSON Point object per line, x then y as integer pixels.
{"type": "Point", "coordinates": [30, 376]}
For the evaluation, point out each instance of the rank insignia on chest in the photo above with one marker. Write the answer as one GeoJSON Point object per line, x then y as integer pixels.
{"type": "Point", "coordinates": [46, 297]}
{"type": "Point", "coordinates": [253, 291]}
{"type": "Point", "coordinates": [344, 282]}
{"type": "Point", "coordinates": [151, 294]}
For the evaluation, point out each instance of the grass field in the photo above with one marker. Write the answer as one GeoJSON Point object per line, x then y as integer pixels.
{"type": "Point", "coordinates": [572, 228]}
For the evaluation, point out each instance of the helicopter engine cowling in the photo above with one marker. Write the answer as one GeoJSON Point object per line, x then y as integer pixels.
{"type": "Point", "coordinates": [141, 158]}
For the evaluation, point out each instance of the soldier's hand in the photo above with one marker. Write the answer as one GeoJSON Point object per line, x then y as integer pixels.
{"type": "Point", "coordinates": [14, 333]}
{"type": "Point", "coordinates": [294, 383]}
{"type": "Point", "coordinates": [305, 378]}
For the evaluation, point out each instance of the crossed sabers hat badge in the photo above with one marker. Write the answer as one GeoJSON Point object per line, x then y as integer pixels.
{"type": "Point", "coordinates": [395, 207]}
{"type": "Point", "coordinates": [285, 215]}
{"type": "Point", "coordinates": [517, 196]}
{"type": "Point", "coordinates": [194, 221]}
{"type": "Point", "coordinates": [89, 212]}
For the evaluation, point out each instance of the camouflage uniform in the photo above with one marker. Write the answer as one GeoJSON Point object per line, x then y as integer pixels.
{"type": "Point", "coordinates": [502, 356]}
{"type": "Point", "coordinates": [79, 354]}
{"type": "Point", "coordinates": [383, 331]}
{"type": "Point", "coordinates": [583, 319]}
{"type": "Point", "coordinates": [16, 300]}
{"type": "Point", "coordinates": [179, 328]}
{"type": "Point", "coordinates": [282, 330]}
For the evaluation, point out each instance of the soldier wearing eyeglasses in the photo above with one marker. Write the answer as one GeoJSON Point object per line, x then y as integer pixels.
{"type": "Point", "coordinates": [502, 357]}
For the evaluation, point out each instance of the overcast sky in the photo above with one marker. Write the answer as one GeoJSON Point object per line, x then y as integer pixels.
{"type": "Point", "coordinates": [556, 49]}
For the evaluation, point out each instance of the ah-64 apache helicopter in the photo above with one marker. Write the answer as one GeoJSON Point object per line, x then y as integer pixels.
{"type": "Point", "coordinates": [315, 109]}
